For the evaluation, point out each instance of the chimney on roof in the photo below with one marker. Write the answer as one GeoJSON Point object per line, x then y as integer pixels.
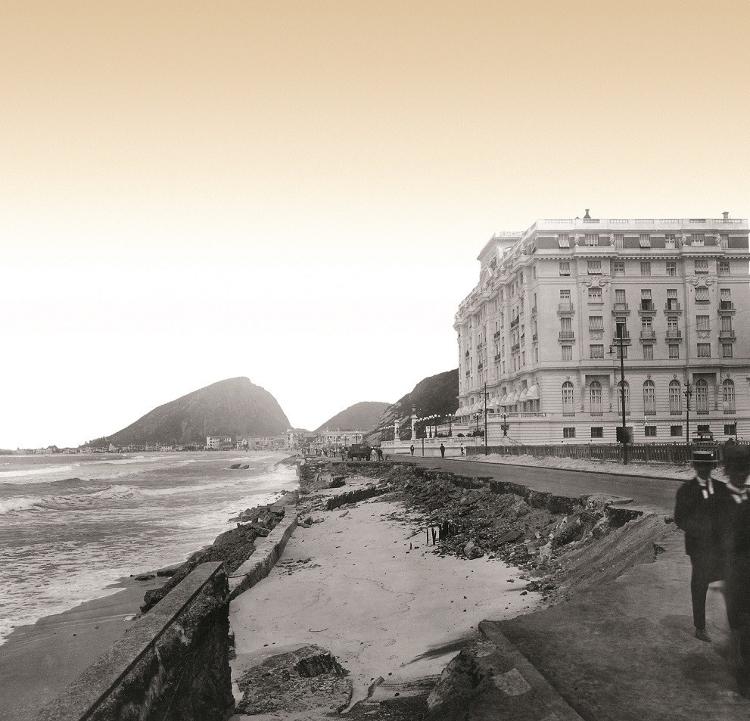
{"type": "Point", "coordinates": [725, 214]}
{"type": "Point", "coordinates": [587, 216]}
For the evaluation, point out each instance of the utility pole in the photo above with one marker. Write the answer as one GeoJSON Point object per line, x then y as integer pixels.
{"type": "Point", "coordinates": [688, 393]}
{"type": "Point", "coordinates": [624, 433]}
{"type": "Point", "coordinates": [485, 420]}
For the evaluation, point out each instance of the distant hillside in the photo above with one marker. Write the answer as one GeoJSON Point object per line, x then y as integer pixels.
{"type": "Point", "coordinates": [234, 407]}
{"type": "Point", "coordinates": [359, 417]}
{"type": "Point", "coordinates": [433, 395]}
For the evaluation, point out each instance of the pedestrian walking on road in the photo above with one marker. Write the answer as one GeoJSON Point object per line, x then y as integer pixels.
{"type": "Point", "coordinates": [462, 449]}
{"type": "Point", "coordinates": [705, 510]}
{"type": "Point", "coordinates": [379, 451]}
{"type": "Point", "coordinates": [412, 449]}
{"type": "Point", "coordinates": [737, 468]}
{"type": "Point", "coordinates": [442, 451]}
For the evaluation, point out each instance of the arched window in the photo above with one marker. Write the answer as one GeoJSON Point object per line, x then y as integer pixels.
{"type": "Point", "coordinates": [675, 397]}
{"type": "Point", "coordinates": [567, 399]}
{"type": "Point", "coordinates": [701, 396]}
{"type": "Point", "coordinates": [727, 392]}
{"type": "Point", "coordinates": [595, 398]}
{"type": "Point", "coordinates": [626, 386]}
{"type": "Point", "coordinates": [649, 398]}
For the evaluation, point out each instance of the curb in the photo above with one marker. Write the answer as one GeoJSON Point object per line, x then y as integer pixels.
{"type": "Point", "coordinates": [554, 706]}
{"type": "Point", "coordinates": [264, 558]}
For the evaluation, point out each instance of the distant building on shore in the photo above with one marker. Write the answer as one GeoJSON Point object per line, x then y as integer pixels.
{"type": "Point", "coordinates": [338, 439]}
{"type": "Point", "coordinates": [540, 329]}
{"type": "Point", "coordinates": [219, 443]}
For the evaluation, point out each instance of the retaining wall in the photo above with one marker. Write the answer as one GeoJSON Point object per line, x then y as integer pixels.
{"type": "Point", "coordinates": [171, 665]}
{"type": "Point", "coordinates": [268, 550]}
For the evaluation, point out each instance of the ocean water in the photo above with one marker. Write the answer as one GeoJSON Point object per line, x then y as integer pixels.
{"type": "Point", "coordinates": [71, 526]}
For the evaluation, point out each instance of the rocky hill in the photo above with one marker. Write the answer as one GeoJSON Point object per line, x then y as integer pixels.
{"type": "Point", "coordinates": [234, 407]}
{"type": "Point", "coordinates": [436, 394]}
{"type": "Point", "coordinates": [359, 417]}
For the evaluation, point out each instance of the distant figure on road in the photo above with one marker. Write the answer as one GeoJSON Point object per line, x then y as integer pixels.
{"type": "Point", "coordinates": [737, 468]}
{"type": "Point", "coordinates": [379, 451]}
{"type": "Point", "coordinates": [412, 449]}
{"type": "Point", "coordinates": [704, 509]}
{"type": "Point", "coordinates": [442, 451]}
{"type": "Point", "coordinates": [462, 449]}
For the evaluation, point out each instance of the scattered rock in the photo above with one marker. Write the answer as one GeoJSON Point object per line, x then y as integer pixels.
{"type": "Point", "coordinates": [145, 576]}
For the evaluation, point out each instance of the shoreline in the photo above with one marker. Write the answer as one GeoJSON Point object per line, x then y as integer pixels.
{"type": "Point", "coordinates": [38, 660]}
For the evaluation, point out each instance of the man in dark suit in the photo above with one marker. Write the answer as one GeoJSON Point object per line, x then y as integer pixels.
{"type": "Point", "coordinates": [705, 509]}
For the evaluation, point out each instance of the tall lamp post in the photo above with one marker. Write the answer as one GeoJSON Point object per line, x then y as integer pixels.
{"type": "Point", "coordinates": [623, 430]}
{"type": "Point", "coordinates": [688, 393]}
{"type": "Point", "coordinates": [486, 451]}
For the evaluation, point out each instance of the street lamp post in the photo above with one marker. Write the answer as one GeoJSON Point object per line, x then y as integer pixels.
{"type": "Point", "coordinates": [688, 393]}
{"type": "Point", "coordinates": [486, 450]}
{"type": "Point", "coordinates": [624, 429]}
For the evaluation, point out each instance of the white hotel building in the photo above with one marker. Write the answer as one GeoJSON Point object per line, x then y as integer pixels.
{"type": "Point", "coordinates": [540, 330]}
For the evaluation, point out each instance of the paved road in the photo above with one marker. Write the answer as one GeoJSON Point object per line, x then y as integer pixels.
{"type": "Point", "coordinates": [656, 493]}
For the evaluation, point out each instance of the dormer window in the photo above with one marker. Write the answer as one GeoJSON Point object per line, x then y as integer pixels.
{"type": "Point", "coordinates": [563, 241]}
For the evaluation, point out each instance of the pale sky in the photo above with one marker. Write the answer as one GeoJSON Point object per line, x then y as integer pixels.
{"type": "Point", "coordinates": [297, 191]}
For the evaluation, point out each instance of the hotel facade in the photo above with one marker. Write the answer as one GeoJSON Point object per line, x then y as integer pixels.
{"type": "Point", "coordinates": [540, 331]}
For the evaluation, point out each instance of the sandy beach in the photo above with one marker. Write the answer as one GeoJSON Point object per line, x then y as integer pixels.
{"type": "Point", "coordinates": [38, 661]}
{"type": "Point", "coordinates": [363, 584]}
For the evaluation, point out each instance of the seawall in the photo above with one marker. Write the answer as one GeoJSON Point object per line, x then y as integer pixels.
{"type": "Point", "coordinates": [171, 665]}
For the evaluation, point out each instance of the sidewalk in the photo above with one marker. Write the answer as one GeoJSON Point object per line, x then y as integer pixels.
{"type": "Point", "coordinates": [677, 473]}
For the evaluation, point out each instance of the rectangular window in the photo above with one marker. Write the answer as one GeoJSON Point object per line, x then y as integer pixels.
{"type": "Point", "coordinates": [563, 241]}
{"type": "Point", "coordinates": [595, 295]}
{"type": "Point", "coordinates": [597, 432]}
{"type": "Point", "coordinates": [567, 352]}
{"type": "Point", "coordinates": [596, 322]}
{"type": "Point", "coordinates": [726, 350]}
{"type": "Point", "coordinates": [647, 322]}
{"type": "Point", "coordinates": [596, 351]}
{"type": "Point", "coordinates": [675, 431]}
{"type": "Point", "coordinates": [669, 240]}
{"type": "Point", "coordinates": [622, 350]}
{"type": "Point", "coordinates": [593, 267]}
{"type": "Point", "coordinates": [618, 240]}
{"type": "Point", "coordinates": [701, 265]}
{"type": "Point", "coordinates": [564, 295]}
{"type": "Point", "coordinates": [723, 267]}
{"type": "Point", "coordinates": [701, 294]}
{"type": "Point", "coordinates": [644, 240]}
{"type": "Point", "coordinates": [704, 350]}
{"type": "Point", "coordinates": [569, 432]}
{"type": "Point", "coordinates": [674, 351]}
{"type": "Point", "coordinates": [645, 267]}
{"type": "Point", "coordinates": [564, 267]}
{"type": "Point", "coordinates": [648, 352]}
{"type": "Point", "coordinates": [649, 431]}
{"type": "Point", "coordinates": [730, 429]}
{"type": "Point", "coordinates": [672, 267]}
{"type": "Point", "coordinates": [566, 324]}
{"type": "Point", "coordinates": [618, 267]}
{"type": "Point", "coordinates": [698, 239]}
{"type": "Point", "coordinates": [725, 294]}
{"type": "Point", "coordinates": [620, 296]}
{"type": "Point", "coordinates": [701, 322]}
{"type": "Point", "coordinates": [591, 239]}
{"type": "Point", "coordinates": [704, 428]}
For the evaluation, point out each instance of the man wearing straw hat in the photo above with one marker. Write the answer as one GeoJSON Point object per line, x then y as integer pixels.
{"type": "Point", "coordinates": [704, 509]}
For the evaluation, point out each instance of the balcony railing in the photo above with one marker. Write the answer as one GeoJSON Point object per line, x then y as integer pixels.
{"type": "Point", "coordinates": [647, 306]}
{"type": "Point", "coordinates": [648, 334]}
{"type": "Point", "coordinates": [566, 335]}
{"type": "Point", "coordinates": [565, 307]}
{"type": "Point", "coordinates": [674, 334]}
{"type": "Point", "coordinates": [727, 335]}
{"type": "Point", "coordinates": [673, 307]}
{"type": "Point", "coordinates": [621, 308]}
{"type": "Point", "coordinates": [726, 306]}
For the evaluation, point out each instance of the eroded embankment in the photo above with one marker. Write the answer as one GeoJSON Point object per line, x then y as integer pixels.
{"type": "Point", "coordinates": [563, 543]}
